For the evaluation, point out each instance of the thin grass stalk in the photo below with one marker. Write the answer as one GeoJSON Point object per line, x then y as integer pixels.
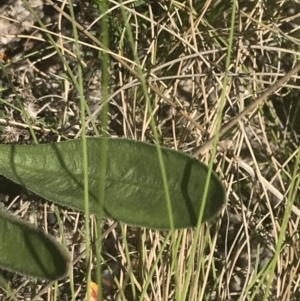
{"type": "Point", "coordinates": [62, 235]}
{"type": "Point", "coordinates": [153, 126]}
{"type": "Point", "coordinates": [287, 213]}
{"type": "Point", "coordinates": [152, 122]}
{"type": "Point", "coordinates": [213, 153]}
{"type": "Point", "coordinates": [84, 151]}
{"type": "Point", "coordinates": [105, 59]}
{"type": "Point", "coordinates": [124, 232]}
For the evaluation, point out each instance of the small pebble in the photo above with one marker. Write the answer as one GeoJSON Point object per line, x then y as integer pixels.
{"type": "Point", "coordinates": [51, 219]}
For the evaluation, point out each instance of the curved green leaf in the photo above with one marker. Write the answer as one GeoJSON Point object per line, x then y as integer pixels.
{"type": "Point", "coordinates": [30, 251]}
{"type": "Point", "coordinates": [134, 191]}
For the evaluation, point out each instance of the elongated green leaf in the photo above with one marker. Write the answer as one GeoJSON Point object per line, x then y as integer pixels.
{"type": "Point", "coordinates": [30, 251]}
{"type": "Point", "coordinates": [134, 191]}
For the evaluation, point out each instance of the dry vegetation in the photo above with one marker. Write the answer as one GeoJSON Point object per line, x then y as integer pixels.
{"type": "Point", "coordinates": [182, 47]}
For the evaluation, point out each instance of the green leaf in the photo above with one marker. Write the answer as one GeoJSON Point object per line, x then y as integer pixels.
{"type": "Point", "coordinates": [30, 251]}
{"type": "Point", "coordinates": [134, 191]}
